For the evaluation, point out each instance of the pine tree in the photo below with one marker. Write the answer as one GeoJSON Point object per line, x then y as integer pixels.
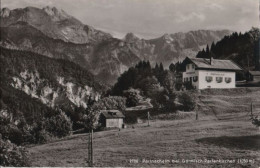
{"type": "Point", "coordinates": [172, 67]}
{"type": "Point", "coordinates": [207, 55]}
{"type": "Point", "coordinates": [156, 67]}
{"type": "Point", "coordinates": [161, 67]}
{"type": "Point", "coordinates": [201, 54]}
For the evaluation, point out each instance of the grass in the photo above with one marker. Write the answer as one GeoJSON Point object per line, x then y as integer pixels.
{"type": "Point", "coordinates": [221, 133]}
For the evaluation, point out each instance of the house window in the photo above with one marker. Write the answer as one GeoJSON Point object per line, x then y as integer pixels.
{"type": "Point", "coordinates": [195, 78]}
{"type": "Point", "coordinates": [193, 66]}
{"type": "Point", "coordinates": [219, 79]}
{"type": "Point", "coordinates": [228, 79]}
{"type": "Point", "coordinates": [209, 79]}
{"type": "Point", "coordinates": [187, 66]}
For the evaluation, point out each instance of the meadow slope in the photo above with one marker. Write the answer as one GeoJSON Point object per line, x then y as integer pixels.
{"type": "Point", "coordinates": [223, 132]}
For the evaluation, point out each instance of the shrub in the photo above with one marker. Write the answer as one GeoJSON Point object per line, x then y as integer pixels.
{"type": "Point", "coordinates": [8, 128]}
{"type": "Point", "coordinates": [19, 132]}
{"type": "Point", "coordinates": [59, 125]}
{"type": "Point", "coordinates": [37, 133]}
{"type": "Point", "coordinates": [169, 106]}
{"type": "Point", "coordinates": [188, 85]}
{"type": "Point", "coordinates": [12, 155]}
{"type": "Point", "coordinates": [110, 103]}
{"type": "Point", "coordinates": [255, 121]}
{"type": "Point", "coordinates": [187, 102]}
{"type": "Point", "coordinates": [132, 97]}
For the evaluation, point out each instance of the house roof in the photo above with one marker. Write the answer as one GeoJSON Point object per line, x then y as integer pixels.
{"type": "Point", "coordinates": [216, 64]}
{"type": "Point", "coordinates": [108, 114]}
{"type": "Point", "coordinates": [255, 73]}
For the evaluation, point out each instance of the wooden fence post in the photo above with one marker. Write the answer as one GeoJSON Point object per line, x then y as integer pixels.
{"type": "Point", "coordinates": [148, 116]}
{"type": "Point", "coordinates": [92, 155]}
{"type": "Point", "coordinates": [89, 149]}
{"type": "Point", "coordinates": [251, 109]}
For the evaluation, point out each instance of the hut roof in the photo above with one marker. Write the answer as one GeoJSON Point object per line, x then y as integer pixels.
{"type": "Point", "coordinates": [109, 114]}
{"type": "Point", "coordinates": [216, 64]}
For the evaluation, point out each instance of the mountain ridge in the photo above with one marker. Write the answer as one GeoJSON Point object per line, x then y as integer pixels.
{"type": "Point", "coordinates": [99, 52]}
{"type": "Point", "coordinates": [53, 23]}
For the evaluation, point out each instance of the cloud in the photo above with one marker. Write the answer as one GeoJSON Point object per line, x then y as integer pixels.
{"type": "Point", "coordinates": [190, 17]}
{"type": "Point", "coordinates": [24, 3]}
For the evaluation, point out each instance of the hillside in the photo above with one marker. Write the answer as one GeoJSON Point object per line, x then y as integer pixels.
{"type": "Point", "coordinates": [223, 131]}
{"type": "Point", "coordinates": [33, 85]}
{"type": "Point", "coordinates": [54, 33]}
{"type": "Point", "coordinates": [23, 36]}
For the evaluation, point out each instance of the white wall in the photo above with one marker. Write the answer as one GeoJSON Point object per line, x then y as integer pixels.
{"type": "Point", "coordinates": [115, 122]}
{"type": "Point", "coordinates": [190, 72]}
{"type": "Point", "coordinates": [202, 83]}
{"type": "Point", "coordinates": [213, 84]}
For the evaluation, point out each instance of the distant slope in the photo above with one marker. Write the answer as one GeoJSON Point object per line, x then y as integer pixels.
{"type": "Point", "coordinates": [22, 35]}
{"type": "Point", "coordinates": [180, 45]}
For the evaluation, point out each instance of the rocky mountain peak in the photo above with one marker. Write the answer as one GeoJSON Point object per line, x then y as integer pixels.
{"type": "Point", "coordinates": [54, 12]}
{"type": "Point", "coordinates": [130, 37]}
{"type": "Point", "coordinates": [167, 38]}
{"type": "Point", "coordinates": [5, 12]}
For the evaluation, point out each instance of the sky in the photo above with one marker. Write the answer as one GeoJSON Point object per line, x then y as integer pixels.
{"type": "Point", "coordinates": [153, 18]}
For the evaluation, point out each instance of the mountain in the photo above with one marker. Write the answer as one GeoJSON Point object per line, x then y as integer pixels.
{"type": "Point", "coordinates": [54, 33]}
{"type": "Point", "coordinates": [23, 36]}
{"type": "Point", "coordinates": [54, 23]}
{"type": "Point", "coordinates": [173, 47]}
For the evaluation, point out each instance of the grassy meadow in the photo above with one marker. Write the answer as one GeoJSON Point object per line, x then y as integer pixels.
{"type": "Point", "coordinates": [223, 133]}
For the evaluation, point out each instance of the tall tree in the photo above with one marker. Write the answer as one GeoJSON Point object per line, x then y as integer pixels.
{"type": "Point", "coordinates": [207, 52]}
{"type": "Point", "coordinates": [161, 67]}
{"type": "Point", "coordinates": [172, 67]}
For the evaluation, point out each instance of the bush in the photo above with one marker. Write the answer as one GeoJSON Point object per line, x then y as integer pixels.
{"type": "Point", "coordinates": [188, 85]}
{"type": "Point", "coordinates": [110, 103]}
{"type": "Point", "coordinates": [11, 155]}
{"type": "Point", "coordinates": [59, 125]}
{"type": "Point", "coordinates": [19, 132]}
{"type": "Point", "coordinates": [187, 102]}
{"type": "Point", "coordinates": [170, 106]}
{"type": "Point", "coordinates": [8, 128]}
{"type": "Point", "coordinates": [132, 97]}
{"type": "Point", "coordinates": [255, 121]}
